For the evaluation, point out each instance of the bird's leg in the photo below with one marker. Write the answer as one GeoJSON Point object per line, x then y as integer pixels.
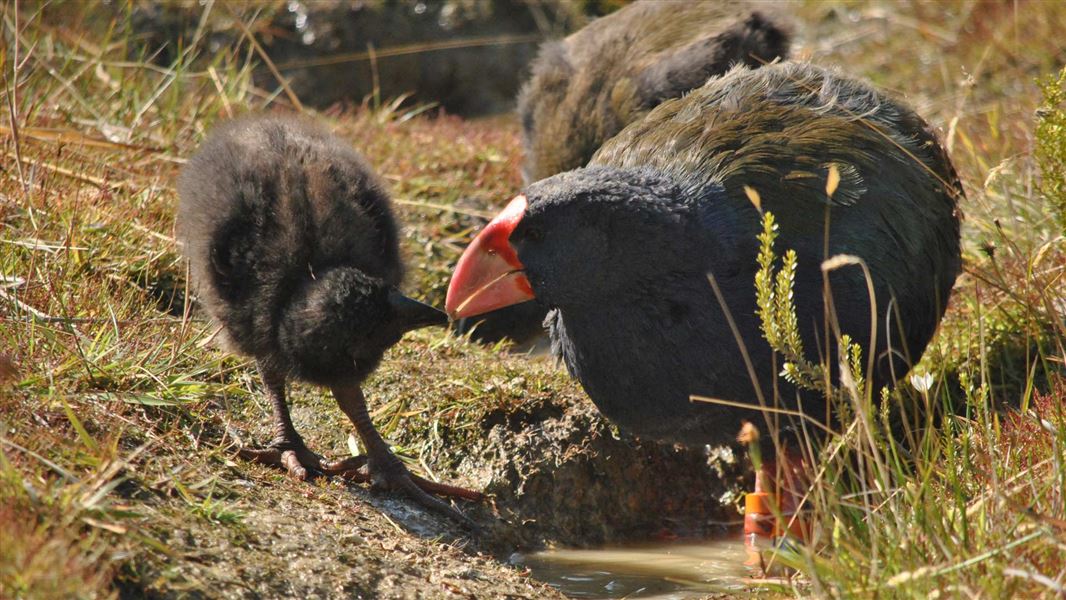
{"type": "Point", "coordinates": [773, 509]}
{"type": "Point", "coordinates": [287, 449]}
{"type": "Point", "coordinates": [385, 469]}
{"type": "Point", "coordinates": [779, 489]}
{"type": "Point", "coordinates": [792, 483]}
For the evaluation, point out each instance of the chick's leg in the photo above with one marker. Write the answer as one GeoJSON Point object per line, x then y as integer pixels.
{"type": "Point", "coordinates": [287, 449]}
{"type": "Point", "coordinates": [386, 471]}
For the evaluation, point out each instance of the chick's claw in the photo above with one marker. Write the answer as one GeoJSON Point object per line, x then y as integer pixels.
{"type": "Point", "coordinates": [352, 468]}
{"type": "Point", "coordinates": [294, 457]}
{"type": "Point", "coordinates": [395, 477]}
{"type": "Point", "coordinates": [449, 491]}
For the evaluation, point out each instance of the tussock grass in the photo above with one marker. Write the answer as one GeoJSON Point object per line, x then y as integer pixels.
{"type": "Point", "coordinates": [1051, 143]}
{"type": "Point", "coordinates": [909, 495]}
{"type": "Point", "coordinates": [952, 484]}
{"type": "Point", "coordinates": [116, 413]}
{"type": "Point", "coordinates": [116, 417]}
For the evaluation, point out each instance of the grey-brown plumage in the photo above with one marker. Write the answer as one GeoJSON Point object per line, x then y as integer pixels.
{"type": "Point", "coordinates": [293, 250]}
{"type": "Point", "coordinates": [584, 89]}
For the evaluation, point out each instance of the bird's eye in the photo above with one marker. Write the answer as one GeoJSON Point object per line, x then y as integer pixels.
{"type": "Point", "coordinates": [534, 234]}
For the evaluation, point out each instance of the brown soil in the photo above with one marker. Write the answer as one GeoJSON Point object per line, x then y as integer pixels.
{"type": "Point", "coordinates": [555, 471]}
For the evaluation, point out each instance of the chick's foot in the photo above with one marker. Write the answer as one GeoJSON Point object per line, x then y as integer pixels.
{"type": "Point", "coordinates": [289, 453]}
{"type": "Point", "coordinates": [386, 472]}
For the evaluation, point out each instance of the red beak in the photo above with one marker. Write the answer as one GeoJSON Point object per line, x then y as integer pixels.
{"type": "Point", "coordinates": [489, 274]}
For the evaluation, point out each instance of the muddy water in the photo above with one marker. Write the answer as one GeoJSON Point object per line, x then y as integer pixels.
{"type": "Point", "coordinates": [672, 570]}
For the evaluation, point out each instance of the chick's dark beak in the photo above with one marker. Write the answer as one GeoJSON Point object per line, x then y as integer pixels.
{"type": "Point", "coordinates": [409, 314]}
{"type": "Point", "coordinates": [489, 274]}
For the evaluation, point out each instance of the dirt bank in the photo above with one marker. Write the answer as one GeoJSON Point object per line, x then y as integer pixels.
{"type": "Point", "coordinates": [514, 426]}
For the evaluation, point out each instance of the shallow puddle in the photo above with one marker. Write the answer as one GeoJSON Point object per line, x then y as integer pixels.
{"type": "Point", "coordinates": [673, 570]}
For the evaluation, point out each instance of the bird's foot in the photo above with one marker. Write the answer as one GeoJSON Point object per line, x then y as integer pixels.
{"type": "Point", "coordinates": [386, 472]}
{"type": "Point", "coordinates": [289, 453]}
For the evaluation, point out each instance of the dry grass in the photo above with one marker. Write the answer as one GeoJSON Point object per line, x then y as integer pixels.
{"type": "Point", "coordinates": [118, 417]}
{"type": "Point", "coordinates": [954, 487]}
{"type": "Point", "coordinates": [108, 383]}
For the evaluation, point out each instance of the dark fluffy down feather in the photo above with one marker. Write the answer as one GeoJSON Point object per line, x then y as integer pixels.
{"type": "Point", "coordinates": [292, 246]}
{"type": "Point", "coordinates": [293, 250]}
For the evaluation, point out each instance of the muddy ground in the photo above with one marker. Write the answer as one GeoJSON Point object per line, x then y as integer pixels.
{"type": "Point", "coordinates": [515, 427]}
{"type": "Point", "coordinates": [118, 429]}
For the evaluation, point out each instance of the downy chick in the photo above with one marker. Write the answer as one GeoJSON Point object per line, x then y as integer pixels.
{"type": "Point", "coordinates": [293, 251]}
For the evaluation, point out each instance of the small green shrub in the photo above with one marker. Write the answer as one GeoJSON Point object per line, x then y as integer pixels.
{"type": "Point", "coordinates": [1051, 143]}
{"type": "Point", "coordinates": [957, 502]}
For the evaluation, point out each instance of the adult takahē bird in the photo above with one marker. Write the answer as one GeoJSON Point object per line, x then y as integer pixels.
{"type": "Point", "coordinates": [622, 249]}
{"type": "Point", "coordinates": [293, 251]}
{"type": "Point", "coordinates": [584, 89]}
